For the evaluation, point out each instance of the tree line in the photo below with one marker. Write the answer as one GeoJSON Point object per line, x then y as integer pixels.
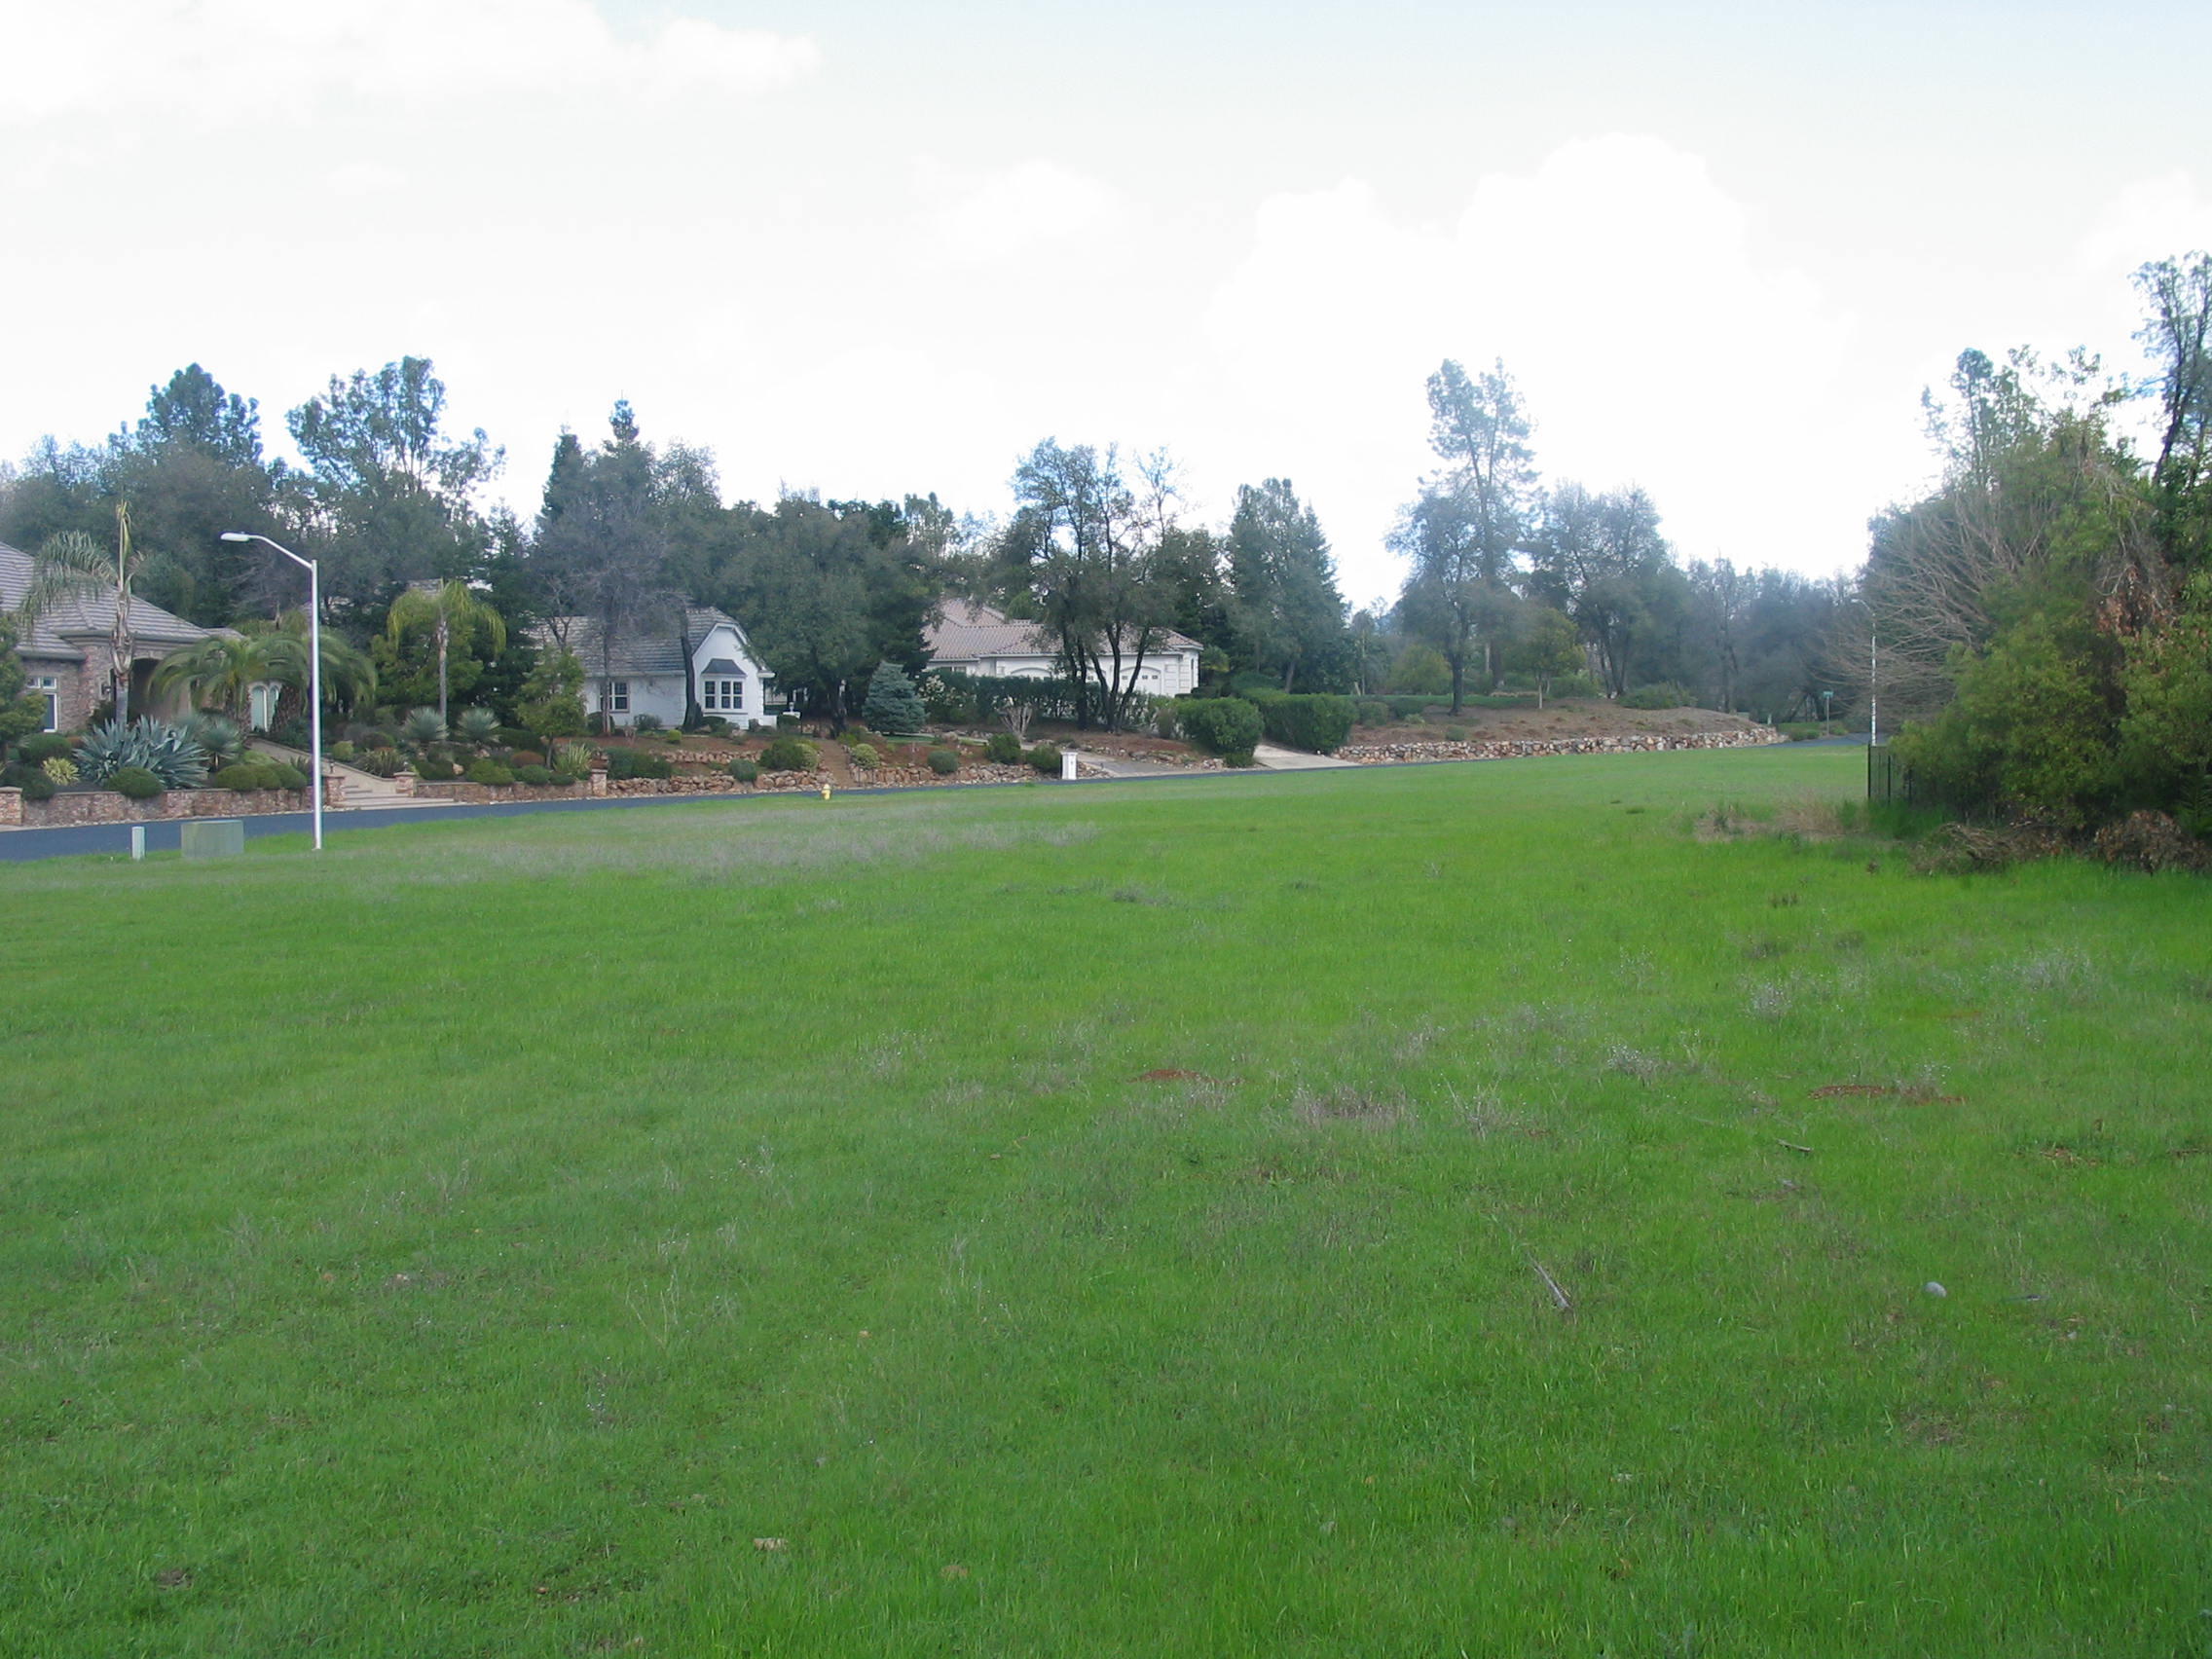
{"type": "Point", "coordinates": [1511, 585]}
{"type": "Point", "coordinates": [2044, 614]}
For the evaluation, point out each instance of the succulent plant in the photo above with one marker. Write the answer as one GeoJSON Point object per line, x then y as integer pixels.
{"type": "Point", "coordinates": [477, 725]}
{"type": "Point", "coordinates": [154, 746]}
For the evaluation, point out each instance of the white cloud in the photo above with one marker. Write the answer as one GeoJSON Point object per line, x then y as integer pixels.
{"type": "Point", "coordinates": [977, 218]}
{"type": "Point", "coordinates": [1619, 284]}
{"type": "Point", "coordinates": [222, 60]}
{"type": "Point", "coordinates": [2153, 218]}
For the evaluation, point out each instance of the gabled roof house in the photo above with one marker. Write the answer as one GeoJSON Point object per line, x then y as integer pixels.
{"type": "Point", "coordinates": [976, 638]}
{"type": "Point", "coordinates": [649, 669]}
{"type": "Point", "coordinates": [66, 651]}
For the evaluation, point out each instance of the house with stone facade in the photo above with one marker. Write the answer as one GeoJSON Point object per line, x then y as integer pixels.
{"type": "Point", "coordinates": [66, 651]}
{"type": "Point", "coordinates": [698, 656]}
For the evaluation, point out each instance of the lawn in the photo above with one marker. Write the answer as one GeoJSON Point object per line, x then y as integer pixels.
{"type": "Point", "coordinates": [1111, 1220]}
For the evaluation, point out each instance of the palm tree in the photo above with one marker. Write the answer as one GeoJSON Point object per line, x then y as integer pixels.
{"type": "Point", "coordinates": [217, 671]}
{"type": "Point", "coordinates": [443, 607]}
{"type": "Point", "coordinates": [221, 671]}
{"type": "Point", "coordinates": [349, 677]}
{"type": "Point", "coordinates": [73, 566]}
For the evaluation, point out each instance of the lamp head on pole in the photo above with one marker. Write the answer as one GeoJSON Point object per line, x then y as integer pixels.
{"type": "Point", "coordinates": [235, 535]}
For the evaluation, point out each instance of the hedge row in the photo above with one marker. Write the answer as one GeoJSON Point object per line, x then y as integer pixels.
{"type": "Point", "coordinates": [1317, 723]}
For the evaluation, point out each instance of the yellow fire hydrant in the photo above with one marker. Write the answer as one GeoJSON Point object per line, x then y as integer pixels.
{"type": "Point", "coordinates": [825, 789]}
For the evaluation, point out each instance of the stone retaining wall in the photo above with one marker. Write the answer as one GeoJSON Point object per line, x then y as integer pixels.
{"type": "Point", "coordinates": [72, 807]}
{"type": "Point", "coordinates": [1381, 754]}
{"type": "Point", "coordinates": [482, 794]}
{"type": "Point", "coordinates": [790, 782]}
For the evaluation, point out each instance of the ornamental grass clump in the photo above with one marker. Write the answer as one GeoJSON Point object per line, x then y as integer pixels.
{"type": "Point", "coordinates": [219, 737]}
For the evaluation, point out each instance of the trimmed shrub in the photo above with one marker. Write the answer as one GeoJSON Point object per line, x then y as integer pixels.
{"type": "Point", "coordinates": [514, 737]}
{"type": "Point", "coordinates": [491, 772]}
{"type": "Point", "coordinates": [537, 776]}
{"type": "Point", "coordinates": [1315, 722]}
{"type": "Point", "coordinates": [1372, 711]}
{"type": "Point", "coordinates": [1002, 749]}
{"type": "Point", "coordinates": [246, 775]}
{"type": "Point", "coordinates": [788, 754]}
{"type": "Point", "coordinates": [431, 769]}
{"type": "Point", "coordinates": [622, 764]}
{"type": "Point", "coordinates": [341, 750]}
{"type": "Point", "coordinates": [745, 770]}
{"type": "Point", "coordinates": [41, 747]}
{"type": "Point", "coordinates": [644, 723]}
{"type": "Point", "coordinates": [288, 777]}
{"type": "Point", "coordinates": [563, 779]}
{"type": "Point", "coordinates": [1047, 760]}
{"type": "Point", "coordinates": [944, 762]}
{"type": "Point", "coordinates": [864, 756]}
{"type": "Point", "coordinates": [35, 784]}
{"type": "Point", "coordinates": [521, 757]}
{"type": "Point", "coordinates": [134, 783]}
{"type": "Point", "coordinates": [1226, 726]}
{"type": "Point", "coordinates": [1664, 696]}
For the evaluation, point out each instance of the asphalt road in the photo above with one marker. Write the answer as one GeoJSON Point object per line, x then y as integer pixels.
{"type": "Point", "coordinates": [19, 845]}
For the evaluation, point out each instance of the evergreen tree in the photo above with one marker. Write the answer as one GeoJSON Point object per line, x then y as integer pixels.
{"type": "Point", "coordinates": [1285, 612]}
{"type": "Point", "coordinates": [893, 705]}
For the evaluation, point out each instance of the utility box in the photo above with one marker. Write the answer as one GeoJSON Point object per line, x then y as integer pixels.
{"type": "Point", "coordinates": [212, 838]}
{"type": "Point", "coordinates": [1067, 766]}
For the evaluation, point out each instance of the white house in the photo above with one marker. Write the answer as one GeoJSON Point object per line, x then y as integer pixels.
{"type": "Point", "coordinates": [649, 669]}
{"type": "Point", "coordinates": [976, 639]}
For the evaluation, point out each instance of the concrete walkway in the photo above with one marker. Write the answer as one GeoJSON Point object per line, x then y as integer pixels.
{"type": "Point", "coordinates": [363, 790]}
{"type": "Point", "coordinates": [1273, 759]}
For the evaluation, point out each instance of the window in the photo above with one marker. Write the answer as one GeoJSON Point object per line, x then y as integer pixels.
{"type": "Point", "coordinates": [620, 704]}
{"type": "Point", "coordinates": [45, 686]}
{"type": "Point", "coordinates": [722, 695]}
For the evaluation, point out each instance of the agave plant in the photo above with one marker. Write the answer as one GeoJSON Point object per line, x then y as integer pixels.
{"type": "Point", "coordinates": [477, 725]}
{"type": "Point", "coordinates": [219, 738]}
{"type": "Point", "coordinates": [156, 745]}
{"type": "Point", "coordinates": [424, 728]}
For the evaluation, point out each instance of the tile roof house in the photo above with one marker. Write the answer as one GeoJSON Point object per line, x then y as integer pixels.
{"type": "Point", "coordinates": [650, 669]}
{"type": "Point", "coordinates": [976, 638]}
{"type": "Point", "coordinates": [66, 651]}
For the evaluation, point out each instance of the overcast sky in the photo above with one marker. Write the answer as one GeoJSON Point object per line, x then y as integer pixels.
{"type": "Point", "coordinates": [873, 248]}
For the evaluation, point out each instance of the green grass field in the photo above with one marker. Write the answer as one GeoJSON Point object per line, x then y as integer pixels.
{"type": "Point", "coordinates": [752, 1230]}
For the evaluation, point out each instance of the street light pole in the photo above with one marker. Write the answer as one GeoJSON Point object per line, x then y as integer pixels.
{"type": "Point", "coordinates": [315, 666]}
